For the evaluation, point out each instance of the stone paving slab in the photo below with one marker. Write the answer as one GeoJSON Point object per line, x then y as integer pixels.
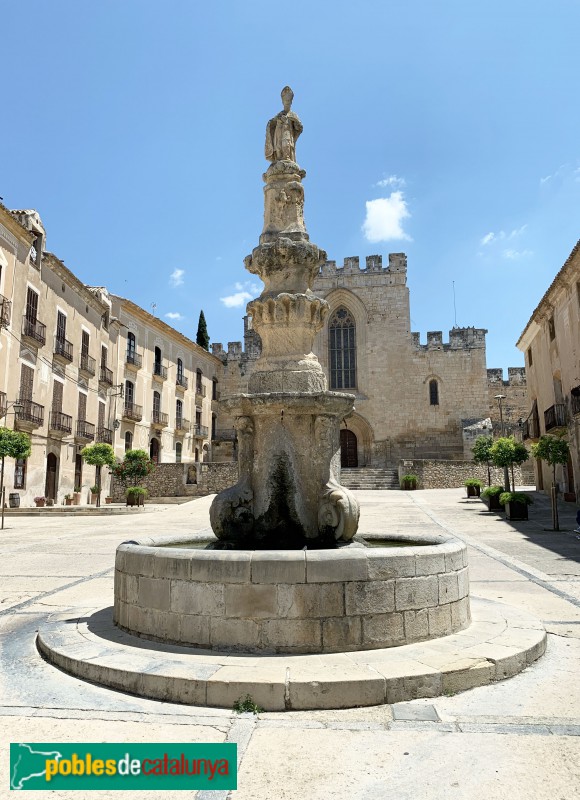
{"type": "Point", "coordinates": [499, 644]}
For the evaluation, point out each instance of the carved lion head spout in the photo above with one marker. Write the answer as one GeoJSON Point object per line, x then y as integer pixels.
{"type": "Point", "coordinates": [338, 513]}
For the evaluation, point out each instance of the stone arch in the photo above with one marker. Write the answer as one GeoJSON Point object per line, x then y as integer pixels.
{"type": "Point", "coordinates": [433, 385]}
{"type": "Point", "coordinates": [364, 433]}
{"type": "Point", "coordinates": [346, 298]}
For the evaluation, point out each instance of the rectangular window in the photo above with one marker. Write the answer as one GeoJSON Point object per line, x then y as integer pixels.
{"type": "Point", "coordinates": [104, 354]}
{"type": "Point", "coordinates": [101, 422]}
{"type": "Point", "coordinates": [56, 397]}
{"type": "Point", "coordinates": [26, 382]}
{"type": "Point", "coordinates": [31, 306]}
{"type": "Point", "coordinates": [530, 357]}
{"type": "Point", "coordinates": [552, 328]}
{"type": "Point", "coordinates": [82, 408]}
{"type": "Point", "coordinates": [85, 343]}
{"type": "Point", "coordinates": [20, 473]}
{"type": "Point", "coordinates": [61, 327]}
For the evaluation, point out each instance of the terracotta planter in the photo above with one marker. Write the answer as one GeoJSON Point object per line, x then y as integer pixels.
{"type": "Point", "coordinates": [93, 499]}
{"type": "Point", "coordinates": [473, 491]}
{"type": "Point", "coordinates": [516, 511]}
{"type": "Point", "coordinates": [40, 503]}
{"type": "Point", "coordinates": [76, 499]}
{"type": "Point", "coordinates": [108, 500]}
{"type": "Point", "coordinates": [68, 501]}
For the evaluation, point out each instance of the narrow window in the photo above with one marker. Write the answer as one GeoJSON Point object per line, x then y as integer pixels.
{"type": "Point", "coordinates": [433, 392]}
{"type": "Point", "coordinates": [31, 306]}
{"type": "Point", "coordinates": [82, 408]}
{"type": "Point", "coordinates": [342, 350]}
{"type": "Point", "coordinates": [214, 390]}
{"type": "Point", "coordinates": [128, 441]}
{"type": "Point", "coordinates": [178, 413]}
{"type": "Point", "coordinates": [129, 394]}
{"type": "Point", "coordinates": [26, 382]}
{"type": "Point", "coordinates": [104, 353]}
{"type": "Point", "coordinates": [552, 328]}
{"type": "Point", "coordinates": [198, 384]}
{"type": "Point", "coordinates": [131, 350]}
{"type": "Point", "coordinates": [20, 473]}
{"type": "Point", "coordinates": [60, 327]}
{"type": "Point", "coordinates": [530, 357]}
{"type": "Point", "coordinates": [179, 371]}
{"type": "Point", "coordinates": [178, 448]}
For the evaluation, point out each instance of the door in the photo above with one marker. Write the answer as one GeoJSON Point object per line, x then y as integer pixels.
{"type": "Point", "coordinates": [154, 451]}
{"type": "Point", "coordinates": [51, 472]}
{"type": "Point", "coordinates": [348, 449]}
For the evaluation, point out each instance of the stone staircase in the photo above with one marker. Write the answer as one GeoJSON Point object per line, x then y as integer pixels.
{"type": "Point", "coordinates": [369, 478]}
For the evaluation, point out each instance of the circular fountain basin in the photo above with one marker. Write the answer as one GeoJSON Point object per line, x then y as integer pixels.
{"type": "Point", "coordinates": [403, 589]}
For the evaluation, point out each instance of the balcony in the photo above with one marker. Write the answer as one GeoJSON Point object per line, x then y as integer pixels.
{"type": "Point", "coordinates": [555, 417]}
{"type": "Point", "coordinates": [159, 419]}
{"type": "Point", "coordinates": [85, 431]}
{"type": "Point", "coordinates": [105, 435]}
{"type": "Point", "coordinates": [201, 431]}
{"type": "Point", "coordinates": [159, 371]}
{"type": "Point", "coordinates": [106, 376]}
{"type": "Point", "coordinates": [224, 435]}
{"type": "Point", "coordinates": [531, 428]}
{"type": "Point", "coordinates": [133, 412]}
{"type": "Point", "coordinates": [34, 332]}
{"type": "Point", "coordinates": [63, 348]}
{"type": "Point", "coordinates": [5, 312]}
{"type": "Point", "coordinates": [133, 359]}
{"type": "Point", "coordinates": [181, 382]}
{"type": "Point", "coordinates": [200, 392]}
{"type": "Point", "coordinates": [181, 424]}
{"type": "Point", "coordinates": [59, 423]}
{"type": "Point", "coordinates": [3, 404]}
{"type": "Point", "coordinates": [87, 365]}
{"type": "Point", "coordinates": [31, 415]}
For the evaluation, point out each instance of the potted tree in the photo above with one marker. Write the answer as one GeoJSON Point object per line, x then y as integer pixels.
{"type": "Point", "coordinates": [473, 486]}
{"type": "Point", "coordinates": [13, 444]}
{"type": "Point", "coordinates": [491, 496]}
{"type": "Point", "coordinates": [131, 471]}
{"type": "Point", "coordinates": [409, 482]}
{"type": "Point", "coordinates": [505, 452]}
{"type": "Point", "coordinates": [516, 505]}
{"type": "Point", "coordinates": [99, 455]}
{"type": "Point", "coordinates": [553, 450]}
{"type": "Point", "coordinates": [482, 453]}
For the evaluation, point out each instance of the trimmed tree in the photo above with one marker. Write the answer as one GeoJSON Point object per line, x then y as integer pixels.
{"type": "Point", "coordinates": [98, 455]}
{"type": "Point", "coordinates": [135, 466]}
{"type": "Point", "coordinates": [202, 337]}
{"type": "Point", "coordinates": [13, 444]}
{"type": "Point", "coordinates": [553, 450]}
{"type": "Point", "coordinates": [505, 452]}
{"type": "Point", "coordinates": [482, 453]}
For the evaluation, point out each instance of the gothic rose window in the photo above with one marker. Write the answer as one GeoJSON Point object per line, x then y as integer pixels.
{"type": "Point", "coordinates": [342, 350]}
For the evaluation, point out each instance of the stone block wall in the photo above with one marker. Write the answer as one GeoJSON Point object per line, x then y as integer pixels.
{"type": "Point", "coordinates": [434, 474]}
{"type": "Point", "coordinates": [184, 480]}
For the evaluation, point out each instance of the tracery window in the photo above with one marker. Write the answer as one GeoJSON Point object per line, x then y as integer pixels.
{"type": "Point", "coordinates": [342, 349]}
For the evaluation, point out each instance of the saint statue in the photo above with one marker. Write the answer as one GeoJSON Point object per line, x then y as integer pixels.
{"type": "Point", "coordinates": [282, 131]}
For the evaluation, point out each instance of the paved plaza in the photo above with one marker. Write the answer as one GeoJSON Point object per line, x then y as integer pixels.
{"type": "Point", "coordinates": [517, 738]}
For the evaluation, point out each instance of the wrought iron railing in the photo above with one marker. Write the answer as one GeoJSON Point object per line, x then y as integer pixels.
{"type": "Point", "coordinates": [63, 348]}
{"type": "Point", "coordinates": [105, 435]}
{"type": "Point", "coordinates": [159, 370]}
{"type": "Point", "coordinates": [182, 381]}
{"type": "Point", "coordinates": [159, 418]}
{"type": "Point", "coordinates": [200, 391]}
{"type": "Point", "coordinates": [87, 364]}
{"type": "Point", "coordinates": [30, 412]}
{"type": "Point", "coordinates": [60, 422]}
{"type": "Point", "coordinates": [106, 376]}
{"type": "Point", "coordinates": [555, 417]}
{"type": "Point", "coordinates": [201, 430]}
{"type": "Point", "coordinates": [85, 430]}
{"type": "Point", "coordinates": [133, 411]}
{"type": "Point", "coordinates": [181, 424]}
{"type": "Point", "coordinates": [34, 330]}
{"type": "Point", "coordinates": [133, 358]}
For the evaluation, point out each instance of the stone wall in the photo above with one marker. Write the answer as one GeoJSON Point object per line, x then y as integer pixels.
{"type": "Point", "coordinates": [183, 480]}
{"type": "Point", "coordinates": [434, 474]}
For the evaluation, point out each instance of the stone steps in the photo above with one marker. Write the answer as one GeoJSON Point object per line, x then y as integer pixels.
{"type": "Point", "coordinates": [370, 478]}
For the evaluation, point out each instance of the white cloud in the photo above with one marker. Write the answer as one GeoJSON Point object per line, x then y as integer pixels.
{"type": "Point", "coordinates": [244, 292]}
{"type": "Point", "coordinates": [394, 181]}
{"type": "Point", "coordinates": [384, 218]}
{"type": "Point", "coordinates": [176, 277]}
{"type": "Point", "coordinates": [174, 315]}
{"type": "Point", "coordinates": [502, 236]}
{"type": "Point", "coordinates": [514, 255]}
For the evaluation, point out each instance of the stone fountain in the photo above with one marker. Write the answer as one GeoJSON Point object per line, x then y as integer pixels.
{"type": "Point", "coordinates": [286, 572]}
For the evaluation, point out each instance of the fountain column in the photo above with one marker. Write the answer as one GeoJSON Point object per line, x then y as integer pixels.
{"type": "Point", "coordinates": [288, 494]}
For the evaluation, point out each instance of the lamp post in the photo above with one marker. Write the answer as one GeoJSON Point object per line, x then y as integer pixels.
{"type": "Point", "coordinates": [17, 407]}
{"type": "Point", "coordinates": [506, 475]}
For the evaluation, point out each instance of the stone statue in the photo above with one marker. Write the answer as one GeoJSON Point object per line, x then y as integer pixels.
{"type": "Point", "coordinates": [282, 131]}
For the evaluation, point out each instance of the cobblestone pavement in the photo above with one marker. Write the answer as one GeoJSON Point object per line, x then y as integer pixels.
{"type": "Point", "coordinates": [517, 739]}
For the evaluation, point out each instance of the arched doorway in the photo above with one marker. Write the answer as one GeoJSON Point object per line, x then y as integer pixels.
{"type": "Point", "coordinates": [348, 448]}
{"type": "Point", "coordinates": [154, 450]}
{"type": "Point", "coordinates": [50, 485]}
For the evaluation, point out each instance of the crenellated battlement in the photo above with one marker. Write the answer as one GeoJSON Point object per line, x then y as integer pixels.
{"type": "Point", "coordinates": [459, 339]}
{"type": "Point", "coordinates": [516, 377]}
{"type": "Point", "coordinates": [373, 264]}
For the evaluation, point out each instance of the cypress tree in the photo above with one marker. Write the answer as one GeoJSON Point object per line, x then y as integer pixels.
{"type": "Point", "coordinates": [202, 338]}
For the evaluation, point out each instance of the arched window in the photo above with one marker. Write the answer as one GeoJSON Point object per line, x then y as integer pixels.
{"type": "Point", "coordinates": [128, 440]}
{"type": "Point", "coordinates": [130, 346]}
{"type": "Point", "coordinates": [342, 350]}
{"type": "Point", "coordinates": [129, 394]}
{"type": "Point", "coordinates": [198, 383]}
{"type": "Point", "coordinates": [178, 448]}
{"type": "Point", "coordinates": [433, 392]}
{"type": "Point", "coordinates": [180, 381]}
{"type": "Point", "coordinates": [156, 406]}
{"type": "Point", "coordinates": [178, 413]}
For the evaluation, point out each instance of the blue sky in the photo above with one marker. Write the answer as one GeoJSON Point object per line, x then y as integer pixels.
{"type": "Point", "coordinates": [446, 130]}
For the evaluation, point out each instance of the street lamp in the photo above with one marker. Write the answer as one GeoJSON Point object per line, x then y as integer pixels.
{"type": "Point", "coordinates": [16, 407]}
{"type": "Point", "coordinates": [506, 475]}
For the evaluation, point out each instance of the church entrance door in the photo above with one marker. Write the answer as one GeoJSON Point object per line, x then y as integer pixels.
{"type": "Point", "coordinates": [348, 449]}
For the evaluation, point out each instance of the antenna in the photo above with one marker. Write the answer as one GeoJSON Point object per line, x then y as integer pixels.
{"type": "Point", "coordinates": [153, 308]}
{"type": "Point", "coordinates": [454, 306]}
